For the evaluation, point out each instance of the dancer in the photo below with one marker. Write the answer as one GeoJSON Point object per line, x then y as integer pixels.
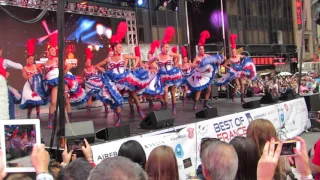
{"type": "Point", "coordinates": [52, 74]}
{"type": "Point", "coordinates": [6, 109]}
{"type": "Point", "coordinates": [123, 78]}
{"type": "Point", "coordinates": [202, 77]}
{"type": "Point", "coordinates": [235, 61]}
{"type": "Point", "coordinates": [186, 72]}
{"type": "Point", "coordinates": [33, 93]}
{"type": "Point", "coordinates": [170, 74]}
{"type": "Point", "coordinates": [93, 83]}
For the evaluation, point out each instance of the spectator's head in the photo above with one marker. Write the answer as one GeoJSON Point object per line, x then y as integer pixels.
{"type": "Point", "coordinates": [219, 161]}
{"type": "Point", "coordinates": [134, 151]}
{"type": "Point", "coordinates": [261, 131]}
{"type": "Point", "coordinates": [78, 169]}
{"type": "Point", "coordinates": [205, 142]}
{"type": "Point", "coordinates": [248, 157]}
{"type": "Point", "coordinates": [117, 168]}
{"type": "Point", "coordinates": [162, 164]}
{"type": "Point", "coordinates": [18, 176]}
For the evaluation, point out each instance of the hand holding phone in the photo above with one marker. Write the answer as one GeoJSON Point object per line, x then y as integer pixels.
{"type": "Point", "coordinates": [288, 147]}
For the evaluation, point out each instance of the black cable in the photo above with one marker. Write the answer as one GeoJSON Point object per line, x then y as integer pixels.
{"type": "Point", "coordinates": [38, 18]}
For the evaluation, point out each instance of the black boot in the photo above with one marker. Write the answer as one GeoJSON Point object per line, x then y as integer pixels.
{"type": "Point", "coordinates": [162, 105]}
{"type": "Point", "coordinates": [150, 103]}
{"type": "Point", "coordinates": [242, 98]}
{"type": "Point", "coordinates": [206, 104]}
{"type": "Point", "coordinates": [195, 105]}
{"type": "Point", "coordinates": [131, 111]}
{"type": "Point", "coordinates": [118, 119]}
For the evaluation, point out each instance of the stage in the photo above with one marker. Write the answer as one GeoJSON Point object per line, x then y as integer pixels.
{"type": "Point", "coordinates": [185, 115]}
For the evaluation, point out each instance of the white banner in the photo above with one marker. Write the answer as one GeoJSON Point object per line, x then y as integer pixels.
{"type": "Point", "coordinates": [290, 119]}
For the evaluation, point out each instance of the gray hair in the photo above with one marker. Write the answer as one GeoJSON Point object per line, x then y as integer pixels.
{"type": "Point", "coordinates": [220, 160]}
{"type": "Point", "coordinates": [117, 168]}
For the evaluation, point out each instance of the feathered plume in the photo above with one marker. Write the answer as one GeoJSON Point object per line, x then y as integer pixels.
{"type": "Point", "coordinates": [31, 43]}
{"type": "Point", "coordinates": [89, 53]}
{"type": "Point", "coordinates": [174, 49]}
{"type": "Point", "coordinates": [53, 41]}
{"type": "Point", "coordinates": [120, 34]}
{"type": "Point", "coordinates": [233, 38]}
{"type": "Point", "coordinates": [204, 35]}
{"type": "Point", "coordinates": [23, 135]}
{"type": "Point", "coordinates": [154, 45]}
{"type": "Point", "coordinates": [137, 51]}
{"type": "Point", "coordinates": [122, 30]}
{"type": "Point", "coordinates": [184, 52]}
{"type": "Point", "coordinates": [168, 34]}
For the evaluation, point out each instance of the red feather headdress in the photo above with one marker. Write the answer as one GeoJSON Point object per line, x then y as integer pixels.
{"type": "Point", "coordinates": [153, 46]}
{"type": "Point", "coordinates": [174, 49]}
{"type": "Point", "coordinates": [137, 51]}
{"type": "Point", "coordinates": [31, 43]}
{"type": "Point", "coordinates": [120, 34]}
{"type": "Point", "coordinates": [168, 34]}
{"type": "Point", "coordinates": [203, 37]}
{"type": "Point", "coordinates": [184, 52]}
{"type": "Point", "coordinates": [53, 41]}
{"type": "Point", "coordinates": [233, 38]}
{"type": "Point", "coordinates": [89, 54]}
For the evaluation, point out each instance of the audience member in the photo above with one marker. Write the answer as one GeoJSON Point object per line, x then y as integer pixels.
{"type": "Point", "coordinates": [260, 131]}
{"type": "Point", "coordinates": [219, 162]}
{"type": "Point", "coordinates": [205, 142]}
{"type": "Point", "coordinates": [78, 169]}
{"type": "Point", "coordinates": [117, 168]}
{"type": "Point", "coordinates": [162, 164]}
{"type": "Point", "coordinates": [133, 150]}
{"type": "Point", "coordinates": [248, 157]}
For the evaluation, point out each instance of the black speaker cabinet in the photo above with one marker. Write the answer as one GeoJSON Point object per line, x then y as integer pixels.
{"type": "Point", "coordinates": [288, 95]}
{"type": "Point", "coordinates": [158, 119]}
{"type": "Point", "coordinates": [312, 101]}
{"type": "Point", "coordinates": [251, 104]}
{"type": "Point", "coordinates": [207, 113]}
{"type": "Point", "coordinates": [80, 130]}
{"type": "Point", "coordinates": [112, 133]}
{"type": "Point", "coordinates": [270, 98]}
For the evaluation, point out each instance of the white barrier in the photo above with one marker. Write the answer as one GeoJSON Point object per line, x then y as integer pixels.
{"type": "Point", "coordinates": [289, 118]}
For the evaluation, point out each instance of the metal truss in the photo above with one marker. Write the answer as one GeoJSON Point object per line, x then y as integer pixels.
{"type": "Point", "coordinates": [129, 16]}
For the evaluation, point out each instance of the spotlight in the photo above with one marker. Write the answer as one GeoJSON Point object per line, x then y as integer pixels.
{"type": "Point", "coordinates": [97, 47]}
{"type": "Point", "coordinates": [140, 2]}
{"type": "Point", "coordinates": [108, 33]}
{"type": "Point", "coordinates": [99, 29]}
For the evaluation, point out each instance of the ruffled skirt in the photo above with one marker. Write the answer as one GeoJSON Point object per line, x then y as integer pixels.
{"type": "Point", "coordinates": [77, 94]}
{"type": "Point", "coordinates": [33, 93]}
{"type": "Point", "coordinates": [172, 77]}
{"type": "Point", "coordinates": [130, 81]}
{"type": "Point", "coordinates": [110, 93]}
{"type": "Point", "coordinates": [52, 78]}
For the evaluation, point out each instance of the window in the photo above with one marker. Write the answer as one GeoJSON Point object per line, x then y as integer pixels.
{"type": "Point", "coordinates": [306, 45]}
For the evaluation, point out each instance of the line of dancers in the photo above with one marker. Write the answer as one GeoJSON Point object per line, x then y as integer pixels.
{"type": "Point", "coordinates": [111, 82]}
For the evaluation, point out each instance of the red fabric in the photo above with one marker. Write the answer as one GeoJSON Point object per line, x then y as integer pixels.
{"type": "Point", "coordinates": [3, 71]}
{"type": "Point", "coordinates": [31, 43]}
{"type": "Point", "coordinates": [137, 51]}
{"type": "Point", "coordinates": [316, 157]}
{"type": "Point", "coordinates": [89, 53]}
{"type": "Point", "coordinates": [184, 51]}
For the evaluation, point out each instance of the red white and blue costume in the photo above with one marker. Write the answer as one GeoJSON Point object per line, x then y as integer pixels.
{"type": "Point", "coordinates": [170, 75]}
{"type": "Point", "coordinates": [33, 93]}
{"type": "Point", "coordinates": [76, 93]}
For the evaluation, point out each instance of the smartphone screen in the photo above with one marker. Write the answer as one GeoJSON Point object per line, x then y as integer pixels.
{"type": "Point", "coordinates": [287, 148]}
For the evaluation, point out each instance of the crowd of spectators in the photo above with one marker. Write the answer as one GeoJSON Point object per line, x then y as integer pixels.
{"type": "Point", "coordinates": [244, 158]}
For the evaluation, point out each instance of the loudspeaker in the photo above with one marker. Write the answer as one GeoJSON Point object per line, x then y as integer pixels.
{"type": "Point", "coordinates": [312, 101]}
{"type": "Point", "coordinates": [80, 130]}
{"type": "Point", "coordinates": [269, 98]}
{"type": "Point", "coordinates": [207, 113]}
{"type": "Point", "coordinates": [112, 133]}
{"type": "Point", "coordinates": [158, 119]}
{"type": "Point", "coordinates": [251, 104]}
{"type": "Point", "coordinates": [288, 95]}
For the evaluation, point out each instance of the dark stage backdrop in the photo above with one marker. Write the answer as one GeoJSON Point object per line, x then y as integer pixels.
{"type": "Point", "coordinates": [80, 31]}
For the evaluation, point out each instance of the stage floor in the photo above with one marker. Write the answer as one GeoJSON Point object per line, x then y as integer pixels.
{"type": "Point", "coordinates": [185, 115]}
